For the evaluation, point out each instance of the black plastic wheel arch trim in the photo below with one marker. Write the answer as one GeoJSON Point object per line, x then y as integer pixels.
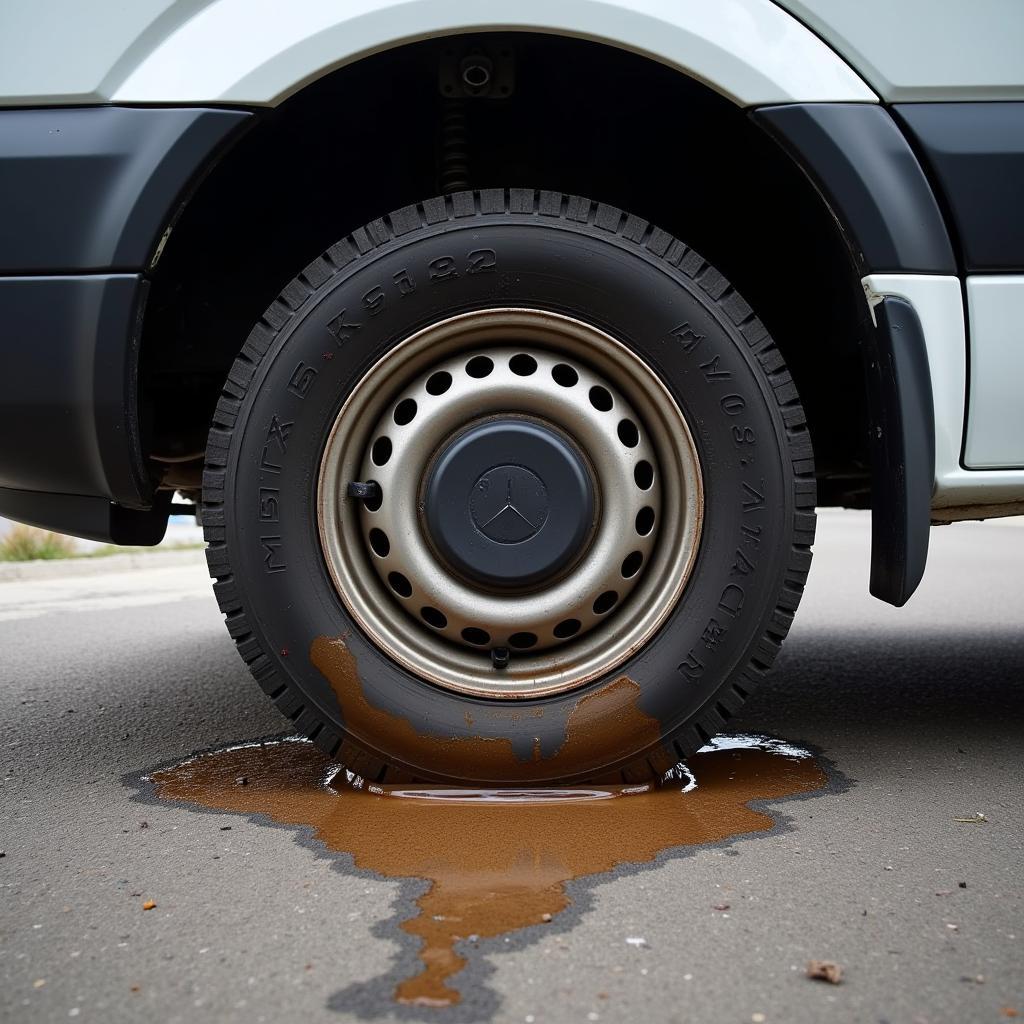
{"type": "Point", "coordinates": [90, 517]}
{"type": "Point", "coordinates": [68, 391]}
{"type": "Point", "coordinates": [902, 450]}
{"type": "Point", "coordinates": [976, 153]}
{"type": "Point", "coordinates": [96, 188]}
{"type": "Point", "coordinates": [867, 173]}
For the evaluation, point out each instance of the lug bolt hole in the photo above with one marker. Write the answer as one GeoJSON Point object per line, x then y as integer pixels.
{"type": "Point", "coordinates": [381, 451]}
{"type": "Point", "coordinates": [479, 366]}
{"type": "Point", "coordinates": [564, 375]}
{"type": "Point", "coordinates": [380, 543]}
{"type": "Point", "coordinates": [399, 584]}
{"type": "Point", "coordinates": [600, 398]}
{"type": "Point", "coordinates": [433, 617]}
{"type": "Point", "coordinates": [628, 433]}
{"type": "Point", "coordinates": [522, 365]}
{"type": "Point", "coordinates": [438, 383]}
{"type": "Point", "coordinates": [567, 628]}
{"type": "Point", "coordinates": [521, 641]}
{"type": "Point", "coordinates": [631, 564]}
{"type": "Point", "coordinates": [405, 411]}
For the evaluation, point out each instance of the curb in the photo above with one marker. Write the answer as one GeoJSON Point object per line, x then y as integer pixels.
{"type": "Point", "coordinates": [60, 568]}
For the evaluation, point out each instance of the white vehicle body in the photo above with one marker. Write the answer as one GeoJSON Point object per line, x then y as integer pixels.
{"type": "Point", "coordinates": [756, 53]}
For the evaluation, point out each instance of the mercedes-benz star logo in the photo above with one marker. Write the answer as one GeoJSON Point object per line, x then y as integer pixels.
{"type": "Point", "coordinates": [509, 504]}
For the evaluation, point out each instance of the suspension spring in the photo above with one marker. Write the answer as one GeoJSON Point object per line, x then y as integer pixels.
{"type": "Point", "coordinates": [454, 146]}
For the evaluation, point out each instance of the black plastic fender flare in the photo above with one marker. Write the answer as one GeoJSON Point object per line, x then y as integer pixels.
{"type": "Point", "coordinates": [868, 175]}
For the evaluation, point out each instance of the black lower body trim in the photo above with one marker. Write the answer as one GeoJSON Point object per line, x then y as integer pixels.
{"type": "Point", "coordinates": [902, 451]}
{"type": "Point", "coordinates": [68, 390]}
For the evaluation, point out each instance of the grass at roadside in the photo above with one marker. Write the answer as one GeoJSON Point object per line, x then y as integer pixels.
{"type": "Point", "coordinates": [29, 544]}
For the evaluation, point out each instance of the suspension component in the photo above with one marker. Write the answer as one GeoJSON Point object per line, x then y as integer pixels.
{"type": "Point", "coordinates": [465, 73]}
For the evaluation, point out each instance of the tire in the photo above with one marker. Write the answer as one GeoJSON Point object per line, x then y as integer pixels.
{"type": "Point", "coordinates": [724, 571]}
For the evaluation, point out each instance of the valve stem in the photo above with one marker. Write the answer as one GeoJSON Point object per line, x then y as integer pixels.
{"type": "Point", "coordinates": [364, 491]}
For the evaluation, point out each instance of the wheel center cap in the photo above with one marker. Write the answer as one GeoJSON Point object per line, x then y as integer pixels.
{"type": "Point", "coordinates": [509, 502]}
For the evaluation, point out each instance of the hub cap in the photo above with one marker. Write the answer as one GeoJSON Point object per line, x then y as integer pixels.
{"type": "Point", "coordinates": [526, 504]}
{"type": "Point", "coordinates": [509, 503]}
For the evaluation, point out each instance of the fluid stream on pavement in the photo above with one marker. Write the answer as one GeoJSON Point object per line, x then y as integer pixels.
{"type": "Point", "coordinates": [497, 859]}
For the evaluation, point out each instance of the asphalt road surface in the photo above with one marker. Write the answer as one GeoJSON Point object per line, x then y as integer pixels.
{"type": "Point", "coordinates": [915, 713]}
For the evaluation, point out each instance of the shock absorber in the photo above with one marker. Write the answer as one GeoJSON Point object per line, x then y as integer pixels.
{"type": "Point", "coordinates": [472, 72]}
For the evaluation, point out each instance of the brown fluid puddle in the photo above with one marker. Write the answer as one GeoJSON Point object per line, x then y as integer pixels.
{"type": "Point", "coordinates": [497, 860]}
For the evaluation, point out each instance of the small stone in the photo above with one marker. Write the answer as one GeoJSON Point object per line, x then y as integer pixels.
{"type": "Point", "coordinates": [824, 970]}
{"type": "Point", "coordinates": [242, 780]}
{"type": "Point", "coordinates": [149, 905]}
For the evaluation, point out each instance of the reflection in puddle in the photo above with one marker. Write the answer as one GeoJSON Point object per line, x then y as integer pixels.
{"type": "Point", "coordinates": [497, 860]}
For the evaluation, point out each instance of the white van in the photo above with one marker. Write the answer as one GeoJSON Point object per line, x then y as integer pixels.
{"type": "Point", "coordinates": [508, 347]}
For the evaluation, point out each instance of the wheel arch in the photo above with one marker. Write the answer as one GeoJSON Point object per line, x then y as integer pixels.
{"type": "Point", "coordinates": [838, 410]}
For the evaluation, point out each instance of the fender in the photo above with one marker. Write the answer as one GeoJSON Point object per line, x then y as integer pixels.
{"type": "Point", "coordinates": [751, 51]}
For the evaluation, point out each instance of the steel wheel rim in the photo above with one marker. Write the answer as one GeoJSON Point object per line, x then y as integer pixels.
{"type": "Point", "coordinates": [363, 575]}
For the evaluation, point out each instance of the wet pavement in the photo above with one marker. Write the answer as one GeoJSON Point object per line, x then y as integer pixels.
{"type": "Point", "coordinates": [885, 834]}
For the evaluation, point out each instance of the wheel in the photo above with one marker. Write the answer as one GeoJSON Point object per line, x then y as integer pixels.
{"type": "Point", "coordinates": [509, 486]}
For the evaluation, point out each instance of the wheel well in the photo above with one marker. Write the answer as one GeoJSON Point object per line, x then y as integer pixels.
{"type": "Point", "coordinates": [576, 117]}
